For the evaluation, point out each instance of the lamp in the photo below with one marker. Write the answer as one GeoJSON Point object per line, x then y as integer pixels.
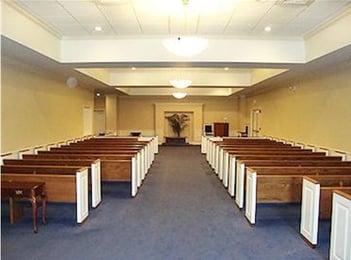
{"type": "Point", "coordinates": [179, 95]}
{"type": "Point", "coordinates": [180, 83]}
{"type": "Point", "coordinates": [185, 46]}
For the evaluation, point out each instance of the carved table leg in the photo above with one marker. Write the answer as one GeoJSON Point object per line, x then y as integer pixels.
{"type": "Point", "coordinates": [43, 208]}
{"type": "Point", "coordinates": [16, 211]}
{"type": "Point", "coordinates": [34, 214]}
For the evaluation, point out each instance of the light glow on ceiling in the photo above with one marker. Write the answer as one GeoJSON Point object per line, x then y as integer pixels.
{"type": "Point", "coordinates": [179, 95]}
{"type": "Point", "coordinates": [180, 83]}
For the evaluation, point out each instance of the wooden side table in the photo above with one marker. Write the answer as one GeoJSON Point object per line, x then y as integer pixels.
{"type": "Point", "coordinates": [28, 191]}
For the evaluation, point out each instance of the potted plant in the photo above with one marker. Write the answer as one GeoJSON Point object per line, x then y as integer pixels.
{"type": "Point", "coordinates": [178, 122]}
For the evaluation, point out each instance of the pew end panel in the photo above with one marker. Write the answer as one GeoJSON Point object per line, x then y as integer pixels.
{"type": "Point", "coordinates": [251, 187]}
{"type": "Point", "coordinates": [82, 195]}
{"type": "Point", "coordinates": [309, 210]}
{"type": "Point", "coordinates": [317, 202]}
{"type": "Point", "coordinates": [225, 170]}
{"type": "Point", "coordinates": [231, 176]}
{"type": "Point", "coordinates": [135, 177]}
{"type": "Point", "coordinates": [96, 183]}
{"type": "Point", "coordinates": [240, 184]}
{"type": "Point", "coordinates": [340, 240]}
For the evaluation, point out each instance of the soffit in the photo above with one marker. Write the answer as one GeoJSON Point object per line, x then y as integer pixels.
{"type": "Point", "coordinates": [133, 19]}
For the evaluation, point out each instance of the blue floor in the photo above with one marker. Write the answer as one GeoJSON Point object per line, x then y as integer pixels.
{"type": "Point", "coordinates": [181, 212]}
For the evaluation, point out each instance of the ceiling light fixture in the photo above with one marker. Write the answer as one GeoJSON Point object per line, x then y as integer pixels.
{"type": "Point", "coordinates": [180, 83]}
{"type": "Point", "coordinates": [98, 28]}
{"type": "Point", "coordinates": [268, 29]}
{"type": "Point", "coordinates": [185, 46]}
{"type": "Point", "coordinates": [179, 95]}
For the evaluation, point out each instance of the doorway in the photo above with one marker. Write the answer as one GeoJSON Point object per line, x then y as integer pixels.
{"type": "Point", "coordinates": [99, 121]}
{"type": "Point", "coordinates": [87, 121]}
{"type": "Point", "coordinates": [255, 122]}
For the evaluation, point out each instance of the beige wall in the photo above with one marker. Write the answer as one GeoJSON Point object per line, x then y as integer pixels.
{"type": "Point", "coordinates": [37, 109]}
{"type": "Point", "coordinates": [316, 111]}
{"type": "Point", "coordinates": [138, 113]}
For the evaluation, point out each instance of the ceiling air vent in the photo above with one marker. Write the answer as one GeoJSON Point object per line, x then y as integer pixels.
{"type": "Point", "coordinates": [109, 2]}
{"type": "Point", "coordinates": [294, 2]}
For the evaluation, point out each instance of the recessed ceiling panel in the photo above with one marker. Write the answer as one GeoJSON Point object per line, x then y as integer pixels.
{"type": "Point", "coordinates": [228, 17]}
{"type": "Point", "coordinates": [131, 19]}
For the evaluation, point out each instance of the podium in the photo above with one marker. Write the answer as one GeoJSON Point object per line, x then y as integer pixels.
{"type": "Point", "coordinates": [221, 129]}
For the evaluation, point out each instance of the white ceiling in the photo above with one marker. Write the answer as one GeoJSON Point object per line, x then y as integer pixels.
{"type": "Point", "coordinates": [77, 19]}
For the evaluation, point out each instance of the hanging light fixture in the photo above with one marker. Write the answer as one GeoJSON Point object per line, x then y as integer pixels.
{"type": "Point", "coordinates": [179, 95]}
{"type": "Point", "coordinates": [185, 46]}
{"type": "Point", "coordinates": [180, 83]}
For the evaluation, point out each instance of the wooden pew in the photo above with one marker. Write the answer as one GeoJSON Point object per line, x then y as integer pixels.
{"type": "Point", "coordinates": [147, 143]}
{"type": "Point", "coordinates": [142, 156]}
{"type": "Point", "coordinates": [219, 148]}
{"type": "Point", "coordinates": [255, 143]}
{"type": "Point", "coordinates": [114, 166]}
{"type": "Point", "coordinates": [223, 155]}
{"type": "Point", "coordinates": [94, 166]}
{"type": "Point", "coordinates": [281, 184]}
{"type": "Point", "coordinates": [317, 202]}
{"type": "Point", "coordinates": [237, 176]}
{"type": "Point", "coordinates": [221, 159]}
{"type": "Point", "coordinates": [62, 184]}
{"type": "Point", "coordinates": [146, 146]}
{"type": "Point", "coordinates": [213, 145]}
{"type": "Point", "coordinates": [111, 168]}
{"type": "Point", "coordinates": [340, 237]}
{"type": "Point", "coordinates": [152, 141]}
{"type": "Point", "coordinates": [305, 159]}
{"type": "Point", "coordinates": [230, 158]}
{"type": "Point", "coordinates": [143, 150]}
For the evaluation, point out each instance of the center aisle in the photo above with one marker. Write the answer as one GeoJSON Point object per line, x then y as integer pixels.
{"type": "Point", "coordinates": [186, 213]}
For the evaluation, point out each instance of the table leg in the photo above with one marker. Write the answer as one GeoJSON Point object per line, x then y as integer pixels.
{"type": "Point", "coordinates": [43, 209]}
{"type": "Point", "coordinates": [34, 214]}
{"type": "Point", "coordinates": [16, 211]}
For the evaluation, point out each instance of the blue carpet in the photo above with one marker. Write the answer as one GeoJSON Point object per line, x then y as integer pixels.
{"type": "Point", "coordinates": [181, 212]}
